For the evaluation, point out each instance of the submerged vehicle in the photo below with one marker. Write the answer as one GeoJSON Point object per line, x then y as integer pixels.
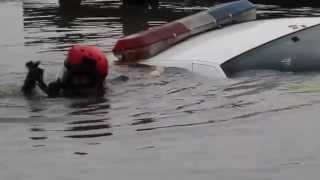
{"type": "Point", "coordinates": [225, 40]}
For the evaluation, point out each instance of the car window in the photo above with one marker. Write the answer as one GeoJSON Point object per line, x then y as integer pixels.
{"type": "Point", "coordinates": [299, 51]}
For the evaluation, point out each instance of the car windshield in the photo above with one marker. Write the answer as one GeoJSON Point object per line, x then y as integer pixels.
{"type": "Point", "coordinates": [298, 51]}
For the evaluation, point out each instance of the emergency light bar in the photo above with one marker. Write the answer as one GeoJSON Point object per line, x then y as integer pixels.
{"type": "Point", "coordinates": [148, 43]}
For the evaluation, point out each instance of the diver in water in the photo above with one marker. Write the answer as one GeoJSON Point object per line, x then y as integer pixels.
{"type": "Point", "coordinates": [84, 72]}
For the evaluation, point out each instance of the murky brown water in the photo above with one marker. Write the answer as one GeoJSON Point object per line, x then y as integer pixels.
{"type": "Point", "coordinates": [260, 125]}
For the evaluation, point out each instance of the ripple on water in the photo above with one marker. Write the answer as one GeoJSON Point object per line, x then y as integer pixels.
{"type": "Point", "coordinates": [134, 103]}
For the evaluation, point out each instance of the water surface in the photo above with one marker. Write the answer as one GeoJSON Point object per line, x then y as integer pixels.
{"type": "Point", "coordinates": [259, 125]}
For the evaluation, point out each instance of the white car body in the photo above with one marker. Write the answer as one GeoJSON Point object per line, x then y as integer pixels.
{"type": "Point", "coordinates": [204, 53]}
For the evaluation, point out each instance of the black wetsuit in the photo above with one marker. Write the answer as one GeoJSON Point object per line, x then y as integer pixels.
{"type": "Point", "coordinates": [69, 84]}
{"type": "Point", "coordinates": [58, 88]}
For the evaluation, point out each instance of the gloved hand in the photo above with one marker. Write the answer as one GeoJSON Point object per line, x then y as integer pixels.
{"type": "Point", "coordinates": [35, 73]}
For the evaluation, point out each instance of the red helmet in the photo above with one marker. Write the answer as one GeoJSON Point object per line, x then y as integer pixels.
{"type": "Point", "coordinates": [79, 53]}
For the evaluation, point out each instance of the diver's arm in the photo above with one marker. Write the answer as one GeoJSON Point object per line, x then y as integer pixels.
{"type": "Point", "coordinates": [43, 86]}
{"type": "Point", "coordinates": [35, 77]}
{"type": "Point", "coordinates": [28, 86]}
{"type": "Point", "coordinates": [52, 89]}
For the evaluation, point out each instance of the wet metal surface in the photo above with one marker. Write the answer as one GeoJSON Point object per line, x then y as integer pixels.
{"type": "Point", "coordinates": [259, 125]}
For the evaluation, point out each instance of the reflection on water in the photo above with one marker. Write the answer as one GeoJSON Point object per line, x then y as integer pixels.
{"type": "Point", "coordinates": [140, 101]}
{"type": "Point", "coordinates": [94, 23]}
{"type": "Point", "coordinates": [102, 23]}
{"type": "Point", "coordinates": [274, 11]}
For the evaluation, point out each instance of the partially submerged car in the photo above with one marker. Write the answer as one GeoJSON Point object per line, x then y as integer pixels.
{"type": "Point", "coordinates": [225, 40]}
